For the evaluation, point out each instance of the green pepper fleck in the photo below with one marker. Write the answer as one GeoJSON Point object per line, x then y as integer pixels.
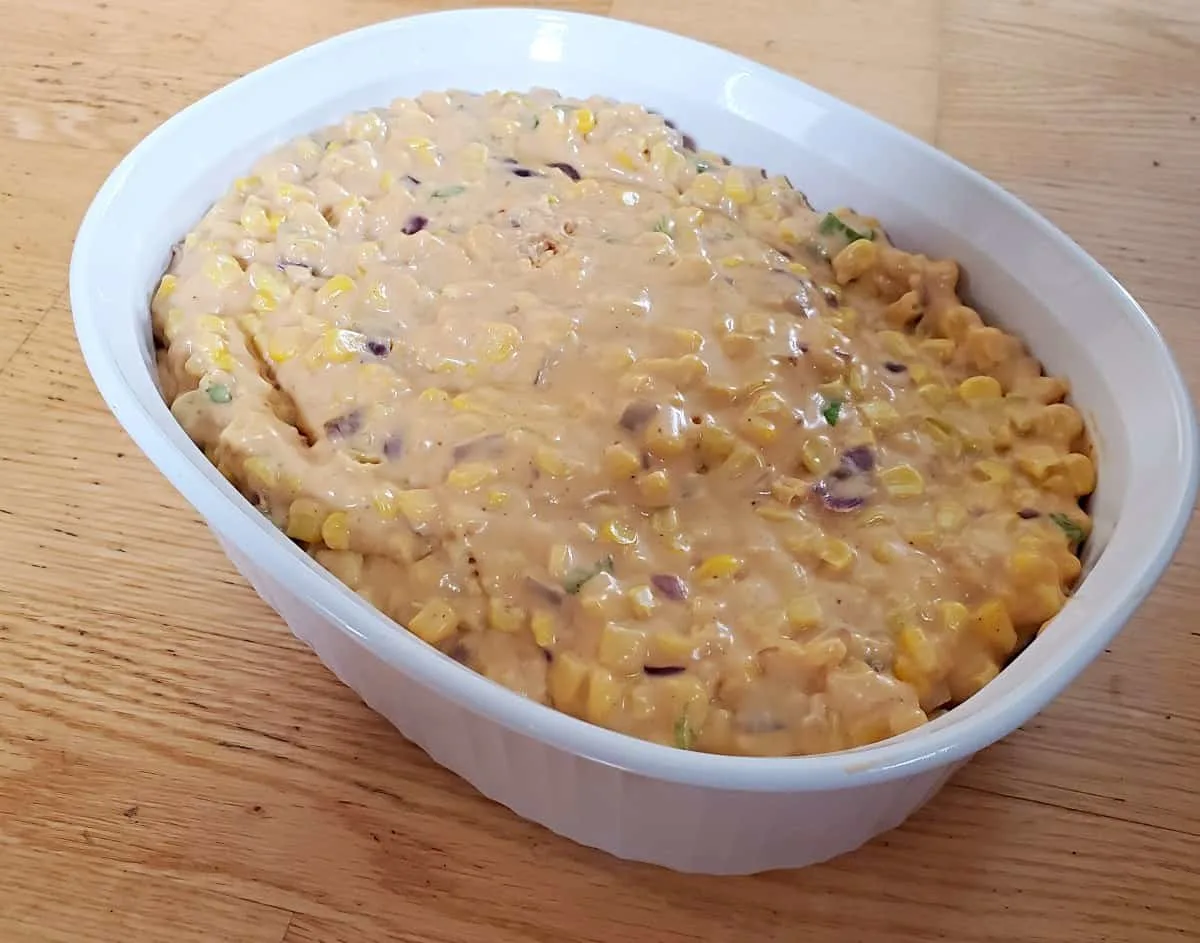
{"type": "Point", "coordinates": [666, 226]}
{"type": "Point", "coordinates": [830, 224]}
{"type": "Point", "coordinates": [219, 393]}
{"type": "Point", "coordinates": [444, 193]}
{"type": "Point", "coordinates": [576, 578]}
{"type": "Point", "coordinates": [684, 736]}
{"type": "Point", "coordinates": [703, 166]}
{"type": "Point", "coordinates": [832, 411]}
{"type": "Point", "coordinates": [1073, 531]}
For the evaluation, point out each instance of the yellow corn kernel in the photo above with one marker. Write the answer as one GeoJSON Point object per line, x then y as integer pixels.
{"type": "Point", "coordinates": [604, 695]}
{"type": "Point", "coordinates": [743, 460]}
{"type": "Point", "coordinates": [916, 645]}
{"type": "Point", "coordinates": [685, 371]}
{"type": "Point", "coordinates": [1028, 567]}
{"type": "Point", "coordinates": [260, 472]}
{"type": "Point", "coordinates": [879, 413]}
{"type": "Point", "coordinates": [620, 461]}
{"type": "Point", "coordinates": [561, 561]}
{"type": "Point", "coordinates": [424, 151]}
{"type": "Point", "coordinates": [804, 612]}
{"type": "Point", "coordinates": [470, 475]}
{"type": "Point", "coordinates": [980, 389]}
{"type": "Point", "coordinates": [991, 623]}
{"type": "Point", "coordinates": [771, 512]}
{"type": "Point", "coordinates": [641, 601]}
{"type": "Point", "coordinates": [211, 323]}
{"type": "Point", "coordinates": [737, 187]}
{"type": "Point", "coordinates": [173, 323]}
{"type": "Point", "coordinates": [333, 346]}
{"type": "Point", "coordinates": [723, 566]}
{"type": "Point", "coordinates": [346, 565]}
{"type": "Point", "coordinates": [665, 438]}
{"type": "Point", "coordinates": [737, 345]}
{"type": "Point", "coordinates": [731, 261]}
{"type": "Point", "coordinates": [793, 231]}
{"type": "Point", "coordinates": [498, 498]}
{"type": "Point", "coordinates": [689, 341]}
{"type": "Point", "coordinates": [666, 525]}
{"type": "Point", "coordinates": [304, 520]}
{"type": "Point", "coordinates": [902, 481]}
{"type": "Point", "coordinates": [944, 436]}
{"type": "Point", "coordinates": [716, 444]}
{"type": "Point", "coordinates": [504, 616]}
{"type": "Point", "coordinates": [222, 270]}
{"type": "Point", "coordinates": [550, 461]}
{"type": "Point", "coordinates": [950, 517]}
{"type": "Point", "coordinates": [264, 302]}
{"type": "Point", "coordinates": [885, 551]}
{"type": "Point", "coordinates": [243, 185]}
{"type": "Point", "coordinates": [987, 346]}
{"type": "Point", "coordinates": [621, 648]}
{"type": "Point", "coordinates": [258, 220]}
{"type": "Point", "coordinates": [993, 471]}
{"type": "Point", "coordinates": [1047, 601]}
{"type": "Point", "coordinates": [855, 260]}
{"type": "Point", "coordinates": [418, 505]}
{"type": "Point", "coordinates": [934, 394]}
{"type": "Point", "coordinates": [335, 531]}
{"type": "Point", "coordinates": [584, 120]}
{"type": "Point", "coordinates": [500, 341]}
{"type": "Point", "coordinates": [283, 345]}
{"type": "Point", "coordinates": [954, 615]}
{"type": "Point", "coordinates": [904, 310]}
{"type": "Point", "coordinates": [967, 680]}
{"type": "Point", "coordinates": [367, 126]}
{"type": "Point", "coordinates": [760, 430]}
{"type": "Point", "coordinates": [905, 669]}
{"type": "Point", "coordinates": [1080, 472]}
{"type": "Point", "coordinates": [433, 394]}
{"type": "Point", "coordinates": [435, 623]}
{"type": "Point", "coordinates": [1038, 461]}
{"type": "Point", "coordinates": [1058, 422]}
{"type": "Point", "coordinates": [672, 648]}
{"type": "Point", "coordinates": [566, 681]}
{"type": "Point", "coordinates": [926, 541]}
{"type": "Point", "coordinates": [958, 320]}
{"type": "Point", "coordinates": [335, 288]}
{"type": "Point", "coordinates": [618, 532]}
{"type": "Point", "coordinates": [222, 359]}
{"type": "Point", "coordinates": [859, 377]}
{"type": "Point", "coordinates": [307, 149]}
{"type": "Point", "coordinates": [166, 288]}
{"type": "Point", "coordinates": [818, 454]}
{"type": "Point", "coordinates": [769, 403]}
{"type": "Point", "coordinates": [290, 483]}
{"type": "Point", "coordinates": [655, 488]}
{"type": "Point", "coordinates": [544, 627]}
{"type": "Point", "coordinates": [940, 349]}
{"type": "Point", "coordinates": [838, 554]}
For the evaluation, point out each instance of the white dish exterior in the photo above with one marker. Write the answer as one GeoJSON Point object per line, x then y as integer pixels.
{"type": "Point", "coordinates": [637, 800]}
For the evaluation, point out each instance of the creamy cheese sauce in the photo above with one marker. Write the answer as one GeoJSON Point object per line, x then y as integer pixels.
{"type": "Point", "coordinates": [629, 430]}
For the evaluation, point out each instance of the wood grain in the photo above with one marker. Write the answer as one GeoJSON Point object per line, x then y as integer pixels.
{"type": "Point", "coordinates": [175, 766]}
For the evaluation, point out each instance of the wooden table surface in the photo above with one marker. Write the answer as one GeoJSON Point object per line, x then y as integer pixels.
{"type": "Point", "coordinates": [174, 766]}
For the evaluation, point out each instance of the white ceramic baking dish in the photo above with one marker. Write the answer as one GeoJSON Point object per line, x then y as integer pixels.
{"type": "Point", "coordinates": [689, 811]}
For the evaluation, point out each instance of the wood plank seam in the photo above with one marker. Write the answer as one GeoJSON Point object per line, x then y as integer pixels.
{"type": "Point", "coordinates": [32, 330]}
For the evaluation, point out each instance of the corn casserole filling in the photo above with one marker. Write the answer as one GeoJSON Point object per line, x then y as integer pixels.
{"type": "Point", "coordinates": [630, 430]}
